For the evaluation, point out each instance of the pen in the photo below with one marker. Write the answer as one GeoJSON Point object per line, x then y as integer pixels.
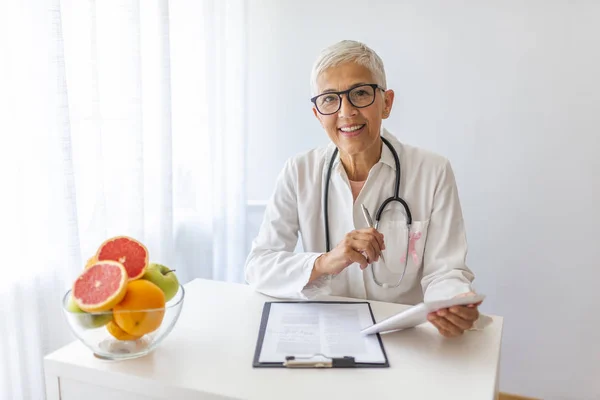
{"type": "Point", "coordinates": [370, 223]}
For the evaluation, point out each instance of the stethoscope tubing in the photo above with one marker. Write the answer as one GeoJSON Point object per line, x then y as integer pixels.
{"type": "Point", "coordinates": [396, 197]}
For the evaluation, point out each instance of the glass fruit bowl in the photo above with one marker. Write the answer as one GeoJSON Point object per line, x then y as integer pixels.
{"type": "Point", "coordinates": [101, 331]}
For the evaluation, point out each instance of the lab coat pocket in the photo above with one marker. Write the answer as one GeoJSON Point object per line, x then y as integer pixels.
{"type": "Point", "coordinates": [403, 247]}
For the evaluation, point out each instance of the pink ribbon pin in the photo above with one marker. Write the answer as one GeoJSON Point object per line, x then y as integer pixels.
{"type": "Point", "coordinates": [411, 247]}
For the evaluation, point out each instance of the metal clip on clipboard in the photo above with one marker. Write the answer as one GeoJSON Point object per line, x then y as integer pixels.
{"type": "Point", "coordinates": [310, 362]}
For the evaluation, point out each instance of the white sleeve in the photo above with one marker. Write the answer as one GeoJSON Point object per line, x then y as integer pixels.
{"type": "Point", "coordinates": [445, 273]}
{"type": "Point", "coordinates": [272, 267]}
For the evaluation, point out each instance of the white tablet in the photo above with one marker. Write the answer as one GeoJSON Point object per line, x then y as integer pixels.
{"type": "Point", "coordinates": [417, 314]}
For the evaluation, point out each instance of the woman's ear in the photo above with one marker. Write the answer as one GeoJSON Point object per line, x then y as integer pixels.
{"type": "Point", "coordinates": [388, 101]}
{"type": "Point", "coordinates": [317, 115]}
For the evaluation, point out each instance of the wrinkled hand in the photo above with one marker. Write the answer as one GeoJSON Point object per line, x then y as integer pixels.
{"type": "Point", "coordinates": [361, 246]}
{"type": "Point", "coordinates": [454, 321]}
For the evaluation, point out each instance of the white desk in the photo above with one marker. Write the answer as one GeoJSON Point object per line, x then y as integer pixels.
{"type": "Point", "coordinates": [209, 353]}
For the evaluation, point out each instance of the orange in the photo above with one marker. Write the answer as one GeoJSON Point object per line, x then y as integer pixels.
{"type": "Point", "coordinates": [146, 297]}
{"type": "Point", "coordinates": [119, 333]}
{"type": "Point", "coordinates": [91, 261]}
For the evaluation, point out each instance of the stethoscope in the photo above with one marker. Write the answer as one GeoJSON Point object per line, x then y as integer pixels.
{"type": "Point", "coordinates": [396, 197]}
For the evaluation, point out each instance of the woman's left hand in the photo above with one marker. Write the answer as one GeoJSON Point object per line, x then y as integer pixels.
{"type": "Point", "coordinates": [453, 321]}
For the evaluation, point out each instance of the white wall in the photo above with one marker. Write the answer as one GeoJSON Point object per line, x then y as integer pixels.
{"type": "Point", "coordinates": [509, 91]}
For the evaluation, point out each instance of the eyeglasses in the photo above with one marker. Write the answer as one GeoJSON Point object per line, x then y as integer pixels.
{"type": "Point", "coordinates": [359, 96]}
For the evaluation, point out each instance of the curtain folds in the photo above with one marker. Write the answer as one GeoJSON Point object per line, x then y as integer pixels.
{"type": "Point", "coordinates": [116, 118]}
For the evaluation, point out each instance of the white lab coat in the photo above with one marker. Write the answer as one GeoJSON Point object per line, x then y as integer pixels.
{"type": "Point", "coordinates": [436, 269]}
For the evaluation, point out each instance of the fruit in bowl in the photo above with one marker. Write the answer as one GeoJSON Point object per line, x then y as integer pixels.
{"type": "Point", "coordinates": [163, 277]}
{"type": "Point", "coordinates": [87, 320]}
{"type": "Point", "coordinates": [121, 306]}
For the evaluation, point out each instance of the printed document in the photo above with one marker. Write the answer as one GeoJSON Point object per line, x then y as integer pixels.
{"type": "Point", "coordinates": [330, 329]}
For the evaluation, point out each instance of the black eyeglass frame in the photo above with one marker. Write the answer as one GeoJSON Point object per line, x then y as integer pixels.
{"type": "Point", "coordinates": [346, 92]}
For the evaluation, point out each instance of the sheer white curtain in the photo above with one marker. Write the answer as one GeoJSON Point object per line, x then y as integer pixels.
{"type": "Point", "coordinates": [116, 117]}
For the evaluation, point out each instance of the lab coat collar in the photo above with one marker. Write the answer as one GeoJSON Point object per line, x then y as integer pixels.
{"type": "Point", "coordinates": [387, 157]}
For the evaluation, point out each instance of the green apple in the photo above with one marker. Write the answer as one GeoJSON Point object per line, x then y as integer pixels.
{"type": "Point", "coordinates": [88, 321]}
{"type": "Point", "coordinates": [163, 277]}
{"type": "Point", "coordinates": [72, 306]}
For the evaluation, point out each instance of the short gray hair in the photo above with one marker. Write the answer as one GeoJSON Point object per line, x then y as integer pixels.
{"type": "Point", "coordinates": [348, 51]}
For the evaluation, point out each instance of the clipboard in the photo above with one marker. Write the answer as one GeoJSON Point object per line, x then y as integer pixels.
{"type": "Point", "coordinates": [317, 360]}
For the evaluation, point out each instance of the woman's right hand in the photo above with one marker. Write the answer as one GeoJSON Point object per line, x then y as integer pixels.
{"type": "Point", "coordinates": [352, 249]}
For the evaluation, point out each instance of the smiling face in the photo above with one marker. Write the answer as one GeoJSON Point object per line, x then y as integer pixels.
{"type": "Point", "coordinates": [353, 130]}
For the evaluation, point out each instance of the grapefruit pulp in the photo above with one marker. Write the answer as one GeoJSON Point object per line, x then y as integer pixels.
{"type": "Point", "coordinates": [100, 287]}
{"type": "Point", "coordinates": [127, 251]}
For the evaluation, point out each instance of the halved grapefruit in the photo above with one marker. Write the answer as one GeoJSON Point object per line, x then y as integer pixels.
{"type": "Point", "coordinates": [100, 287]}
{"type": "Point", "coordinates": [127, 251]}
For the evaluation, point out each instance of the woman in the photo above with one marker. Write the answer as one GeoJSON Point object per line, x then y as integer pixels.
{"type": "Point", "coordinates": [342, 255]}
